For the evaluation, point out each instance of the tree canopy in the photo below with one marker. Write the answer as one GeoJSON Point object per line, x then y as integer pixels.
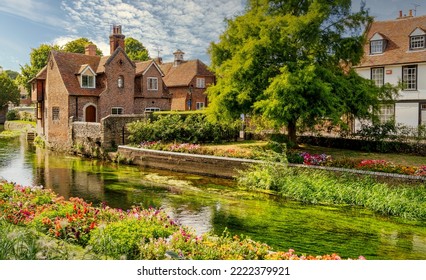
{"type": "Point", "coordinates": [135, 49]}
{"type": "Point", "coordinates": [290, 61]}
{"type": "Point", "coordinates": [9, 91]}
{"type": "Point", "coordinates": [79, 46]}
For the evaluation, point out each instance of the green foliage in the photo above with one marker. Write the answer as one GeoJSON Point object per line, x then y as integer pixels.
{"type": "Point", "coordinates": [193, 128]}
{"type": "Point", "coordinates": [79, 46]}
{"type": "Point", "coordinates": [135, 50]}
{"type": "Point", "coordinates": [38, 59]}
{"type": "Point", "coordinates": [12, 74]}
{"type": "Point", "coordinates": [12, 115]}
{"type": "Point", "coordinates": [288, 61]}
{"type": "Point", "coordinates": [123, 239]}
{"type": "Point", "coordinates": [9, 91]}
{"type": "Point", "coordinates": [321, 187]}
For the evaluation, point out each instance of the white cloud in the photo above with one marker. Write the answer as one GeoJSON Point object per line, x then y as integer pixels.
{"type": "Point", "coordinates": [189, 25]}
{"type": "Point", "coordinates": [34, 10]}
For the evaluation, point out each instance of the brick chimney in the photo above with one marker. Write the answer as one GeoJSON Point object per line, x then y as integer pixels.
{"type": "Point", "coordinates": [90, 50]}
{"type": "Point", "coordinates": [116, 39]}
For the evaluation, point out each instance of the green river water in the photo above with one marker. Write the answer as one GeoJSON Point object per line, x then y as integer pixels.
{"type": "Point", "coordinates": [211, 204]}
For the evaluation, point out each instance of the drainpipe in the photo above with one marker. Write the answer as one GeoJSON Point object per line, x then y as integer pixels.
{"type": "Point", "coordinates": [76, 108]}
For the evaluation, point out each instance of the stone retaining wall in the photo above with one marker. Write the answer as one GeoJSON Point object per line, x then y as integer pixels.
{"type": "Point", "coordinates": [188, 163]}
{"type": "Point", "coordinates": [222, 166]}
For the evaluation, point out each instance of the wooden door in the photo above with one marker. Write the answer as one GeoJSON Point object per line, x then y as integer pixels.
{"type": "Point", "coordinates": [90, 114]}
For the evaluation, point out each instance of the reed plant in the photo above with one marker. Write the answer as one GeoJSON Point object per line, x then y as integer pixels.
{"type": "Point", "coordinates": [325, 187]}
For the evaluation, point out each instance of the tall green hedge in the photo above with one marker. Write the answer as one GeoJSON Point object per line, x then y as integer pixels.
{"type": "Point", "coordinates": [190, 128]}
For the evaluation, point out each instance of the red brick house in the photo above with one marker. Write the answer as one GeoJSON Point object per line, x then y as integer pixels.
{"type": "Point", "coordinates": [87, 88]}
{"type": "Point", "coordinates": [187, 82]}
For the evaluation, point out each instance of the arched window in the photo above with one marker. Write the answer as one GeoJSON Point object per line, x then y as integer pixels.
{"type": "Point", "coordinates": [120, 82]}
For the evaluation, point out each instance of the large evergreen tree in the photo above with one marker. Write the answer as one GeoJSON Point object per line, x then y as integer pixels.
{"type": "Point", "coordinates": [290, 60]}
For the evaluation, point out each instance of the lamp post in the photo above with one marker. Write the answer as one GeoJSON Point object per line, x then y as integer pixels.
{"type": "Point", "coordinates": [190, 88]}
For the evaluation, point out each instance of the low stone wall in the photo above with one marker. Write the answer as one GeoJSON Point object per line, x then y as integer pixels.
{"type": "Point", "coordinates": [114, 129]}
{"type": "Point", "coordinates": [189, 163]}
{"type": "Point", "coordinates": [223, 166]}
{"type": "Point", "coordinates": [86, 134]}
{"type": "Point", "coordinates": [11, 125]}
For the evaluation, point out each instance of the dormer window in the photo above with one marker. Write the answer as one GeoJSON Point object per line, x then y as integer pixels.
{"type": "Point", "coordinates": [377, 44]}
{"type": "Point", "coordinates": [87, 77]}
{"type": "Point", "coordinates": [417, 39]}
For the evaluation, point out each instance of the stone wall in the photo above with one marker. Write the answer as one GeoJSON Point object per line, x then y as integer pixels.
{"type": "Point", "coordinates": [86, 135]}
{"type": "Point", "coordinates": [114, 131]}
{"type": "Point", "coordinates": [188, 163]}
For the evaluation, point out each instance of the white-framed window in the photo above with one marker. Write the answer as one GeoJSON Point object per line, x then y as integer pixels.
{"type": "Point", "coordinates": [152, 109]}
{"type": "Point", "coordinates": [409, 77]}
{"type": "Point", "coordinates": [87, 81]}
{"type": "Point", "coordinates": [377, 75]}
{"type": "Point", "coordinates": [199, 105]}
{"type": "Point", "coordinates": [152, 83]}
{"type": "Point", "coordinates": [117, 110]}
{"type": "Point", "coordinates": [386, 113]}
{"type": "Point", "coordinates": [417, 42]}
{"type": "Point", "coordinates": [377, 46]}
{"type": "Point", "coordinates": [201, 83]}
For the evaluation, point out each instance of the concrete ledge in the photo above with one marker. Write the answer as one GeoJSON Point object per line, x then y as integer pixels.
{"type": "Point", "coordinates": [222, 166]}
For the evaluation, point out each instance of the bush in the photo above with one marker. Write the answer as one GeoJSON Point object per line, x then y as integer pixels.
{"type": "Point", "coordinates": [12, 115]}
{"type": "Point", "coordinates": [123, 239]}
{"type": "Point", "coordinates": [193, 128]}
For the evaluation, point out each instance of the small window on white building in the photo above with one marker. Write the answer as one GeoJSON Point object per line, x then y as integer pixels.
{"type": "Point", "coordinates": [386, 113]}
{"type": "Point", "coordinates": [409, 77]}
{"type": "Point", "coordinates": [377, 75]}
{"type": "Point", "coordinates": [117, 111]}
{"type": "Point", "coordinates": [377, 44]}
{"type": "Point", "coordinates": [201, 83]}
{"type": "Point", "coordinates": [417, 39]}
{"type": "Point", "coordinates": [199, 105]}
{"type": "Point", "coordinates": [152, 83]}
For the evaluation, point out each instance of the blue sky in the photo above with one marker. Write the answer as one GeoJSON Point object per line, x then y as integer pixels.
{"type": "Point", "coordinates": [165, 25]}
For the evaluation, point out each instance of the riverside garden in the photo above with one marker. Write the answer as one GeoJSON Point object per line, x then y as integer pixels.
{"type": "Point", "coordinates": [37, 223]}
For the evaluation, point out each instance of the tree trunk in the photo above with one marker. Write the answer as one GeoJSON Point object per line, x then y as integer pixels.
{"type": "Point", "coordinates": [292, 137]}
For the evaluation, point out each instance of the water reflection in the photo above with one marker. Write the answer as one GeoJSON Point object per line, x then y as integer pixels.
{"type": "Point", "coordinates": [209, 204]}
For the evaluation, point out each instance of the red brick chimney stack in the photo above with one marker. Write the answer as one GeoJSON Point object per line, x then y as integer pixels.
{"type": "Point", "coordinates": [116, 39]}
{"type": "Point", "coordinates": [90, 50]}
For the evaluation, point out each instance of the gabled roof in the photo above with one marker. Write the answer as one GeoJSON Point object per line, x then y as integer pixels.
{"type": "Point", "coordinates": [41, 75]}
{"type": "Point", "coordinates": [182, 74]}
{"type": "Point", "coordinates": [397, 51]}
{"type": "Point", "coordinates": [69, 65]}
{"type": "Point", "coordinates": [143, 66]}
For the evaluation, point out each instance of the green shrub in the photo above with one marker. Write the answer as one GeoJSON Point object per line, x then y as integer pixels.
{"type": "Point", "coordinates": [12, 115]}
{"type": "Point", "coordinates": [123, 239]}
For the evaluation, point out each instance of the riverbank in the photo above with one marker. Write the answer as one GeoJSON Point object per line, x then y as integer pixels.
{"type": "Point", "coordinates": [108, 233]}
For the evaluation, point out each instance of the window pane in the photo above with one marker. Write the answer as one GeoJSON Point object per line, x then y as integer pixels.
{"type": "Point", "coordinates": [376, 46]}
{"type": "Point", "coordinates": [377, 76]}
{"type": "Point", "coordinates": [417, 42]}
{"type": "Point", "coordinates": [409, 77]}
{"type": "Point", "coordinates": [152, 84]}
{"type": "Point", "coordinates": [386, 113]}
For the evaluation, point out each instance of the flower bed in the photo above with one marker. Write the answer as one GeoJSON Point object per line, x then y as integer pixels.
{"type": "Point", "coordinates": [110, 233]}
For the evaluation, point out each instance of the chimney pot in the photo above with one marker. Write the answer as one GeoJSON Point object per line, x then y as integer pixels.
{"type": "Point", "coordinates": [411, 13]}
{"type": "Point", "coordinates": [116, 39]}
{"type": "Point", "coordinates": [400, 14]}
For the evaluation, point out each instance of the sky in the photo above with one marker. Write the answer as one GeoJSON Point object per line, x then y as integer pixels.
{"type": "Point", "coordinates": [162, 26]}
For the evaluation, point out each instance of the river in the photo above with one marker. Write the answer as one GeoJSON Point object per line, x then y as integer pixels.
{"type": "Point", "coordinates": [212, 204]}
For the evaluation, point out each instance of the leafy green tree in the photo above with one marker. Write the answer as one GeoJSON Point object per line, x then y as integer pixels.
{"type": "Point", "coordinates": [38, 59]}
{"type": "Point", "coordinates": [9, 91]}
{"type": "Point", "coordinates": [135, 49]}
{"type": "Point", "coordinates": [290, 61]}
{"type": "Point", "coordinates": [12, 74]}
{"type": "Point", "coordinates": [79, 45]}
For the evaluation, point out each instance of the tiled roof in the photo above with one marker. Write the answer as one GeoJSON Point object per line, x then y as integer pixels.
{"type": "Point", "coordinates": [397, 50]}
{"type": "Point", "coordinates": [142, 66]}
{"type": "Point", "coordinates": [182, 74]}
{"type": "Point", "coordinates": [69, 65]}
{"type": "Point", "coordinates": [41, 75]}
